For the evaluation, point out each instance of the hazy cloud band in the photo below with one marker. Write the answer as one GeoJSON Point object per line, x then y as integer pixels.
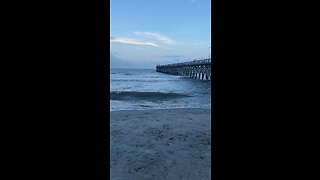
{"type": "Point", "coordinates": [159, 37]}
{"type": "Point", "coordinates": [132, 42]}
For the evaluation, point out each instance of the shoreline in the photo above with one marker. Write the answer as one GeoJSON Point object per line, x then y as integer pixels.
{"type": "Point", "coordinates": [160, 144]}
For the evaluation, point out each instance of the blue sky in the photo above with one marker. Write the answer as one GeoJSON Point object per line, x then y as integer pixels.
{"type": "Point", "coordinates": [158, 31]}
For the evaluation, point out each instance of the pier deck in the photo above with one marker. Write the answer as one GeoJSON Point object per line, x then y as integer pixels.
{"type": "Point", "coordinates": [198, 69]}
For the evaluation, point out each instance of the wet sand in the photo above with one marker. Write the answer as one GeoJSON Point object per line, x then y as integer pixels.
{"type": "Point", "coordinates": [160, 144]}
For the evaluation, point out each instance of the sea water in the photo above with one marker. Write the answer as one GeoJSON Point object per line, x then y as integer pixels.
{"type": "Point", "coordinates": [139, 89]}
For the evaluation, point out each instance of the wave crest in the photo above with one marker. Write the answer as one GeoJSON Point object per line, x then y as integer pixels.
{"type": "Point", "coordinates": [147, 96]}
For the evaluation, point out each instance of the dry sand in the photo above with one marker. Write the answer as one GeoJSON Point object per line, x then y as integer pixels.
{"type": "Point", "coordinates": [160, 144]}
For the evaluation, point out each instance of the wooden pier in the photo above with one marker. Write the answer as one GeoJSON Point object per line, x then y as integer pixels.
{"type": "Point", "coordinates": [198, 69]}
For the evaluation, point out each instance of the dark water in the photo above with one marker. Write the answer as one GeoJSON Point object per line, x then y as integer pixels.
{"type": "Point", "coordinates": [134, 89]}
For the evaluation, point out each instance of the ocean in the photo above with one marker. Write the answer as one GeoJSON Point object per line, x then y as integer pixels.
{"type": "Point", "coordinates": [140, 89]}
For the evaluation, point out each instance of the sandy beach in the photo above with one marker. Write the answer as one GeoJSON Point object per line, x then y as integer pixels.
{"type": "Point", "coordinates": [160, 144]}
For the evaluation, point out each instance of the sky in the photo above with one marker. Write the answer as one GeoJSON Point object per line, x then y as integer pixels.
{"type": "Point", "coordinates": [150, 32]}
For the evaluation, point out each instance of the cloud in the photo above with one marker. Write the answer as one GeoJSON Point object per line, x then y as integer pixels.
{"type": "Point", "coordinates": [132, 42]}
{"type": "Point", "coordinates": [156, 36]}
{"type": "Point", "coordinates": [193, 1]}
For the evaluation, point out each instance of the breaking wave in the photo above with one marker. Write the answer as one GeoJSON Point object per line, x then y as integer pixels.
{"type": "Point", "coordinates": [148, 96]}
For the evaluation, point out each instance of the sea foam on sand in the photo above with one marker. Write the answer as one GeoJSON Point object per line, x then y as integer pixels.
{"type": "Point", "coordinates": [160, 144]}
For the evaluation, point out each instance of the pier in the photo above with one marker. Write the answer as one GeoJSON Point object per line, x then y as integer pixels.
{"type": "Point", "coordinates": [197, 69]}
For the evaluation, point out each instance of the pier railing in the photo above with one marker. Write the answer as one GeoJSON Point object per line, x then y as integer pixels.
{"type": "Point", "coordinates": [198, 69]}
